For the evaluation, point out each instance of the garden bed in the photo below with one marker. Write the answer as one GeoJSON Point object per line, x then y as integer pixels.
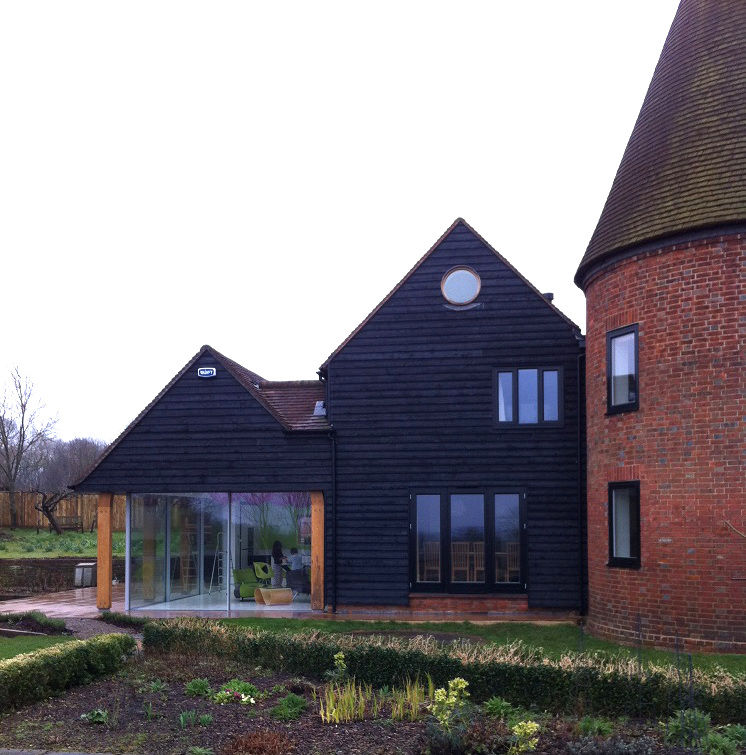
{"type": "Point", "coordinates": [141, 710]}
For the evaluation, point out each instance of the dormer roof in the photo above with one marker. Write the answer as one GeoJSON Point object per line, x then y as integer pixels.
{"type": "Point", "coordinates": [684, 166]}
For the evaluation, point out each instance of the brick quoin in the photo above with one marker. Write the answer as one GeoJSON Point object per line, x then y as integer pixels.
{"type": "Point", "coordinates": [685, 445]}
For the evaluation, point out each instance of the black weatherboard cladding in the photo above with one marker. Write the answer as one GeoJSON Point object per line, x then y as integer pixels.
{"type": "Point", "coordinates": [211, 435]}
{"type": "Point", "coordinates": [412, 402]}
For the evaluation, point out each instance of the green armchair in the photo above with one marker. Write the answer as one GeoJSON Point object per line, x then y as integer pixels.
{"type": "Point", "coordinates": [247, 580]}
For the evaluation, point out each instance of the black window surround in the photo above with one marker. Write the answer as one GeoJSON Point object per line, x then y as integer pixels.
{"type": "Point", "coordinates": [634, 403]}
{"type": "Point", "coordinates": [445, 585]}
{"type": "Point", "coordinates": [514, 422]}
{"type": "Point", "coordinates": [633, 560]}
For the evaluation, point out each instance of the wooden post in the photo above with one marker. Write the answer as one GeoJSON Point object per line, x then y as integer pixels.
{"type": "Point", "coordinates": [104, 563]}
{"type": "Point", "coordinates": [317, 550]}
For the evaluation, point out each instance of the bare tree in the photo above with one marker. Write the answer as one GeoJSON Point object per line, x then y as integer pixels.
{"type": "Point", "coordinates": [24, 431]}
{"type": "Point", "coordinates": [298, 506]}
{"type": "Point", "coordinates": [61, 463]}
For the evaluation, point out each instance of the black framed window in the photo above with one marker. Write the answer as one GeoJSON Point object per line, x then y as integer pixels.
{"type": "Point", "coordinates": [624, 524]}
{"type": "Point", "coordinates": [466, 541]}
{"type": "Point", "coordinates": [529, 396]}
{"type": "Point", "coordinates": [622, 378]}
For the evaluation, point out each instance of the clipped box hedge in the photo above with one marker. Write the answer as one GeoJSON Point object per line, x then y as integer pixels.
{"type": "Point", "coordinates": [35, 676]}
{"type": "Point", "coordinates": [578, 683]}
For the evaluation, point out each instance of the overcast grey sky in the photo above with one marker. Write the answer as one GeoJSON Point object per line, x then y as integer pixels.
{"type": "Point", "coordinates": [258, 176]}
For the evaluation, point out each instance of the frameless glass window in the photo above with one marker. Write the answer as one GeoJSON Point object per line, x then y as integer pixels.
{"type": "Point", "coordinates": [147, 550]}
{"type": "Point", "coordinates": [528, 396]}
{"type": "Point", "coordinates": [460, 286]}
{"type": "Point", "coordinates": [467, 538]}
{"type": "Point", "coordinates": [623, 370]}
{"type": "Point", "coordinates": [507, 538]}
{"type": "Point", "coordinates": [505, 396]}
{"type": "Point", "coordinates": [551, 395]}
{"type": "Point", "coordinates": [624, 524]}
{"type": "Point", "coordinates": [428, 538]}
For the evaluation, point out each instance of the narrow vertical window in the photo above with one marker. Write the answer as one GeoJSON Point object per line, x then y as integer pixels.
{"type": "Point", "coordinates": [528, 397]}
{"type": "Point", "coordinates": [624, 524]}
{"type": "Point", "coordinates": [428, 538]}
{"type": "Point", "coordinates": [622, 370]}
{"type": "Point", "coordinates": [505, 396]}
{"type": "Point", "coordinates": [551, 395]}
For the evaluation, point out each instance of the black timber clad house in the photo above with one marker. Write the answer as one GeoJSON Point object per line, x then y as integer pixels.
{"type": "Point", "coordinates": [414, 437]}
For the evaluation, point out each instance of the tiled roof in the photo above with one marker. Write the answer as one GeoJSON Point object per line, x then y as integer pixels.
{"type": "Point", "coordinates": [685, 162]}
{"type": "Point", "coordinates": [295, 401]}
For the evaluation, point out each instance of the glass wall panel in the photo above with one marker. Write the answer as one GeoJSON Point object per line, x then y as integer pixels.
{"type": "Point", "coordinates": [215, 556]}
{"type": "Point", "coordinates": [147, 550]}
{"type": "Point", "coordinates": [507, 538]}
{"type": "Point", "coordinates": [528, 396]}
{"type": "Point", "coordinates": [184, 546]}
{"type": "Point", "coordinates": [271, 544]}
{"type": "Point", "coordinates": [427, 537]}
{"type": "Point", "coordinates": [467, 538]}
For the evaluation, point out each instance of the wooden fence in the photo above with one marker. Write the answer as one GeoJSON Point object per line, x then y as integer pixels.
{"type": "Point", "coordinates": [83, 506]}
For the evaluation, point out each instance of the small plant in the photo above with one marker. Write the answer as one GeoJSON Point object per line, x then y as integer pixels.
{"type": "Point", "coordinates": [339, 671]}
{"type": "Point", "coordinates": [687, 728]}
{"type": "Point", "coordinates": [154, 686]}
{"type": "Point", "coordinates": [342, 703]}
{"type": "Point", "coordinates": [406, 704]}
{"type": "Point", "coordinates": [236, 691]}
{"type": "Point", "coordinates": [198, 688]}
{"type": "Point", "coordinates": [150, 713]}
{"type": "Point", "coordinates": [289, 708]}
{"type": "Point", "coordinates": [500, 708]}
{"type": "Point", "coordinates": [200, 751]}
{"type": "Point", "coordinates": [96, 716]}
{"type": "Point", "coordinates": [448, 707]}
{"type": "Point", "coordinates": [524, 737]}
{"type": "Point", "coordinates": [594, 727]}
{"type": "Point", "coordinates": [205, 719]}
{"type": "Point", "coordinates": [718, 744]}
{"type": "Point", "coordinates": [187, 718]}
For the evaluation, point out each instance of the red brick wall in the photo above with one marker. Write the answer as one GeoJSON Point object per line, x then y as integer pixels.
{"type": "Point", "coordinates": [685, 445]}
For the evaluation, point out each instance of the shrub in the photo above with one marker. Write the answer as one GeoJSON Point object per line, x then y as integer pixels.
{"type": "Point", "coordinates": [289, 708]}
{"type": "Point", "coordinates": [594, 727]}
{"type": "Point", "coordinates": [35, 676]}
{"type": "Point", "coordinates": [687, 728]}
{"type": "Point", "coordinates": [717, 744]}
{"type": "Point", "coordinates": [735, 732]}
{"type": "Point", "coordinates": [519, 674]}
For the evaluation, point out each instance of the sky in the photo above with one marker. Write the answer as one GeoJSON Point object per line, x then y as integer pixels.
{"type": "Point", "coordinates": [258, 176]}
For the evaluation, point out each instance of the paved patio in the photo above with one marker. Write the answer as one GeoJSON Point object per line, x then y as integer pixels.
{"type": "Point", "coordinates": [81, 604]}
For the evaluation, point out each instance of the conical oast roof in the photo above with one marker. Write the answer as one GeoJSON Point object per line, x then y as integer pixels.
{"type": "Point", "coordinates": [685, 164]}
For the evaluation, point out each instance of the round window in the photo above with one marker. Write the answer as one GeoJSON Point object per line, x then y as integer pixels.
{"type": "Point", "coordinates": [460, 285]}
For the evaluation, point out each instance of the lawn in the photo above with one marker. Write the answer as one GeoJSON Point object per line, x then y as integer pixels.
{"type": "Point", "coordinates": [27, 543]}
{"type": "Point", "coordinates": [555, 639]}
{"type": "Point", "coordinates": [11, 646]}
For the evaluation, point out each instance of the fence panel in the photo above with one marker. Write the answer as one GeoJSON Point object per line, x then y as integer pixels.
{"type": "Point", "coordinates": [83, 506]}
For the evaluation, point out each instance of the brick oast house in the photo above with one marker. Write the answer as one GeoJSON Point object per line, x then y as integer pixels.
{"type": "Point", "coordinates": [664, 280]}
{"type": "Point", "coordinates": [439, 461]}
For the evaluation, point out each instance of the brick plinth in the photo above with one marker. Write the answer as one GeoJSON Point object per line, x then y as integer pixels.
{"type": "Point", "coordinates": [685, 445]}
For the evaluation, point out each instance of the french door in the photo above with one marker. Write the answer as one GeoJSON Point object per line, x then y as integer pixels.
{"type": "Point", "coordinates": [468, 541]}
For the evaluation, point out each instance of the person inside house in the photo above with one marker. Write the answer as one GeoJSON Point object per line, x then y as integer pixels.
{"type": "Point", "coordinates": [278, 564]}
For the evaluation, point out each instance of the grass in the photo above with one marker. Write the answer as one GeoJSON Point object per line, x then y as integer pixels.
{"type": "Point", "coordinates": [555, 639]}
{"type": "Point", "coordinates": [26, 543]}
{"type": "Point", "coordinates": [12, 646]}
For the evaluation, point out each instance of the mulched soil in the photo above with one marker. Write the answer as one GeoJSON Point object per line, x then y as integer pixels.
{"type": "Point", "coordinates": [31, 625]}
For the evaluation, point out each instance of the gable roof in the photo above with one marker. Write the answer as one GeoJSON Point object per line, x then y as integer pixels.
{"type": "Point", "coordinates": [683, 168]}
{"type": "Point", "coordinates": [443, 237]}
{"type": "Point", "coordinates": [291, 403]}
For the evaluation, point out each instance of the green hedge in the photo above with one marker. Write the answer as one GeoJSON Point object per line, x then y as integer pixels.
{"type": "Point", "coordinates": [58, 625]}
{"type": "Point", "coordinates": [35, 676]}
{"type": "Point", "coordinates": [578, 683]}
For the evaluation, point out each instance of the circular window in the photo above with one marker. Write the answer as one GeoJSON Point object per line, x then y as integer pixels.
{"type": "Point", "coordinates": [460, 285]}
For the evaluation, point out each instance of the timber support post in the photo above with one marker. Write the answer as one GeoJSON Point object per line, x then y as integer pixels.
{"type": "Point", "coordinates": [104, 559]}
{"type": "Point", "coordinates": [317, 550]}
